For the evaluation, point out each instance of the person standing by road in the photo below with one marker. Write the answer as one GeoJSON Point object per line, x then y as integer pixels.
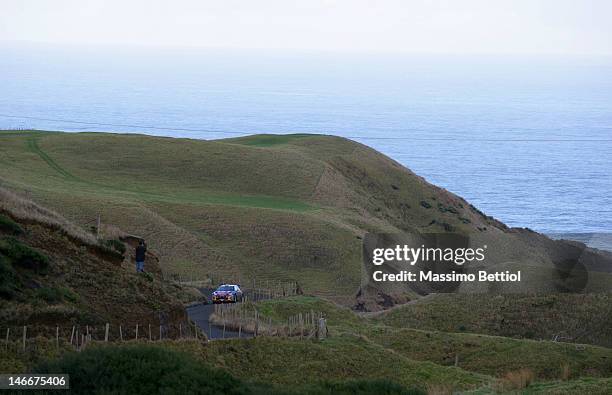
{"type": "Point", "coordinates": [140, 256]}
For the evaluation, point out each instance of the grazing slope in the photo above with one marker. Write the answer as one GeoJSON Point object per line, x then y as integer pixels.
{"type": "Point", "coordinates": [291, 207]}
{"type": "Point", "coordinates": [52, 275]}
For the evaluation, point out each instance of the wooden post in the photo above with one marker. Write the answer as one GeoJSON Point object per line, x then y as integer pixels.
{"type": "Point", "coordinates": [456, 359]}
{"type": "Point", "coordinates": [120, 334]}
{"type": "Point", "coordinates": [180, 331]}
{"type": "Point", "coordinates": [98, 227]}
{"type": "Point", "coordinates": [57, 336]}
{"type": "Point", "coordinates": [8, 330]}
{"type": "Point", "coordinates": [160, 332]}
{"type": "Point", "coordinates": [25, 329]}
{"type": "Point", "coordinates": [239, 329]}
{"type": "Point", "coordinates": [106, 332]}
{"type": "Point", "coordinates": [150, 333]}
{"type": "Point", "coordinates": [256, 323]}
{"type": "Point", "coordinates": [322, 329]}
{"type": "Point", "coordinates": [72, 335]}
{"type": "Point", "coordinates": [136, 331]}
{"type": "Point", "coordinates": [301, 326]}
{"type": "Point", "coordinates": [223, 329]}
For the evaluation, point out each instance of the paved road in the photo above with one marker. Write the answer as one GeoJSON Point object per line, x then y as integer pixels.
{"type": "Point", "coordinates": [200, 314]}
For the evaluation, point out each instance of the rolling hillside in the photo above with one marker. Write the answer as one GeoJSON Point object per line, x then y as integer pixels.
{"type": "Point", "coordinates": [290, 207]}
{"type": "Point", "coordinates": [52, 273]}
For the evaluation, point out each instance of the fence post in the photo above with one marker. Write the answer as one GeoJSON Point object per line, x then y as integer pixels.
{"type": "Point", "coordinates": [25, 328]}
{"type": "Point", "coordinates": [136, 331]}
{"type": "Point", "coordinates": [57, 336]}
{"type": "Point", "coordinates": [106, 332]}
{"type": "Point", "coordinates": [322, 329]}
{"type": "Point", "coordinates": [256, 323]}
{"type": "Point", "coordinates": [180, 331]}
{"type": "Point", "coordinates": [8, 330]}
{"type": "Point", "coordinates": [301, 325]}
{"type": "Point", "coordinates": [160, 332]}
{"type": "Point", "coordinates": [150, 333]}
{"type": "Point", "coordinates": [120, 334]}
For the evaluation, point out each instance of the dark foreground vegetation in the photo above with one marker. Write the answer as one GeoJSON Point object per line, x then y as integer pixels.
{"type": "Point", "coordinates": [141, 369]}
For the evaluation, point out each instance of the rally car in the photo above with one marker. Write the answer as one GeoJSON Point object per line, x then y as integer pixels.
{"type": "Point", "coordinates": [227, 293]}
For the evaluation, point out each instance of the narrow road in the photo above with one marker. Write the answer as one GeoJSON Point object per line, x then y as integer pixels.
{"type": "Point", "coordinates": [201, 313]}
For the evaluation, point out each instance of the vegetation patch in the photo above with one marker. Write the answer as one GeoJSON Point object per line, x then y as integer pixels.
{"type": "Point", "coordinates": [425, 204]}
{"type": "Point", "coordinates": [24, 256]}
{"type": "Point", "coordinates": [147, 369]}
{"type": "Point", "coordinates": [9, 226]}
{"type": "Point", "coordinates": [269, 140]}
{"type": "Point", "coordinates": [116, 245]}
{"type": "Point", "coordinates": [54, 295]}
{"type": "Point", "coordinates": [8, 279]}
{"type": "Point", "coordinates": [139, 369]}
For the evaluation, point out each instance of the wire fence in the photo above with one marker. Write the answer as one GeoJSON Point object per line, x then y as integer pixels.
{"type": "Point", "coordinates": [22, 338]}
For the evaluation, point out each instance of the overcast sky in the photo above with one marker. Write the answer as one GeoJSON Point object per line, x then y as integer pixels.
{"type": "Point", "coordinates": [439, 26]}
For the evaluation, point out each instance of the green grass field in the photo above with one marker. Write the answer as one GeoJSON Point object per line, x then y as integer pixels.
{"type": "Point", "coordinates": [579, 318]}
{"type": "Point", "coordinates": [490, 355]}
{"type": "Point", "coordinates": [276, 207]}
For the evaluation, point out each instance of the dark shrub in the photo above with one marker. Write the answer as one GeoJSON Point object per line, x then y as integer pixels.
{"type": "Point", "coordinates": [69, 295]}
{"type": "Point", "coordinates": [141, 369]}
{"type": "Point", "coordinates": [50, 295]}
{"type": "Point", "coordinates": [22, 255]}
{"type": "Point", "coordinates": [115, 244]}
{"type": "Point", "coordinates": [363, 387]}
{"type": "Point", "coordinates": [8, 279]}
{"type": "Point", "coordinates": [9, 226]}
{"type": "Point", "coordinates": [425, 204]}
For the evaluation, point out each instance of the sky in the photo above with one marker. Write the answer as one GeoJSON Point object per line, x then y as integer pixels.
{"type": "Point", "coordinates": [395, 26]}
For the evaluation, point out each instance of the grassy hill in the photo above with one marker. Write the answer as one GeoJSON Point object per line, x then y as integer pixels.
{"type": "Point", "coordinates": [578, 318]}
{"type": "Point", "coordinates": [489, 355]}
{"type": "Point", "coordinates": [290, 207]}
{"type": "Point", "coordinates": [53, 273]}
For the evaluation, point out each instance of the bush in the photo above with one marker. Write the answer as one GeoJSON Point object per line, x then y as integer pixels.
{"type": "Point", "coordinates": [69, 295]}
{"type": "Point", "coordinates": [115, 244]}
{"type": "Point", "coordinates": [9, 226]}
{"type": "Point", "coordinates": [141, 369]}
{"type": "Point", "coordinates": [425, 204]}
{"type": "Point", "coordinates": [56, 295]}
{"type": "Point", "coordinates": [361, 387]}
{"type": "Point", "coordinates": [22, 255]}
{"type": "Point", "coordinates": [8, 279]}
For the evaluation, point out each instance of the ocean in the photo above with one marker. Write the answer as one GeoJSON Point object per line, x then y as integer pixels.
{"type": "Point", "coordinates": [527, 140]}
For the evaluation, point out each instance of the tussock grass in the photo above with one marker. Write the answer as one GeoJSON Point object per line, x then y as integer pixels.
{"type": "Point", "coordinates": [516, 380]}
{"type": "Point", "coordinates": [24, 209]}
